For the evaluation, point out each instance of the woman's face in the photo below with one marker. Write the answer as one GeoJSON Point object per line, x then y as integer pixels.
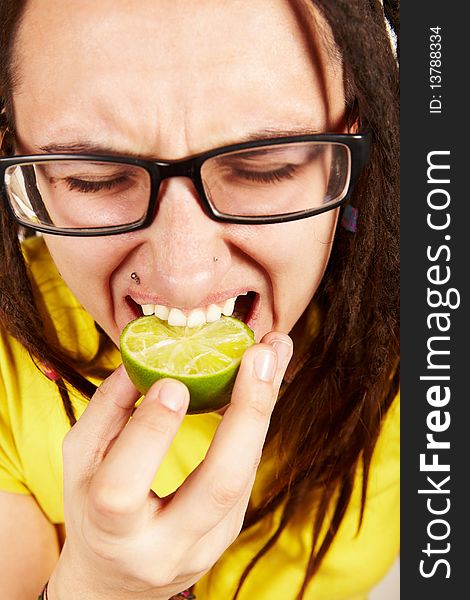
{"type": "Point", "coordinates": [170, 79]}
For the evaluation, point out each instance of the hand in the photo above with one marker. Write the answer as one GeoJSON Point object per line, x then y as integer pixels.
{"type": "Point", "coordinates": [123, 541]}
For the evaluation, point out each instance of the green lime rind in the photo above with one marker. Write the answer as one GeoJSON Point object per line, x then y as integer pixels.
{"type": "Point", "coordinates": [206, 396]}
{"type": "Point", "coordinates": [205, 358]}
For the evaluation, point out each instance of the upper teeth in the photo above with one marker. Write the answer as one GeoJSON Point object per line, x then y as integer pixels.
{"type": "Point", "coordinates": [197, 316]}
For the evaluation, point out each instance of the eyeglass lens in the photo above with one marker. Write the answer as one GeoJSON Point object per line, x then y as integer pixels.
{"type": "Point", "coordinates": [277, 180]}
{"type": "Point", "coordinates": [75, 193]}
{"type": "Point", "coordinates": [261, 181]}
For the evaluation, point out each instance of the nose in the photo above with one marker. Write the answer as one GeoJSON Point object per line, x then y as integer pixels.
{"type": "Point", "coordinates": [186, 255]}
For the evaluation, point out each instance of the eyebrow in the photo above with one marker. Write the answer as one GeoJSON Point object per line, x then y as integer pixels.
{"type": "Point", "coordinates": [89, 147]}
{"type": "Point", "coordinates": [273, 132]}
{"type": "Point", "coordinates": [80, 147]}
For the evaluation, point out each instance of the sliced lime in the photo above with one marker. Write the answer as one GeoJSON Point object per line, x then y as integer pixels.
{"type": "Point", "coordinates": [205, 358]}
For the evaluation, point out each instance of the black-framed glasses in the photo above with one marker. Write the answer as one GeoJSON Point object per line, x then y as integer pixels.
{"type": "Point", "coordinates": [259, 182]}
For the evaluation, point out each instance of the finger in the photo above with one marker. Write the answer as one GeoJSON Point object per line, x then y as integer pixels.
{"type": "Point", "coordinates": [282, 344]}
{"type": "Point", "coordinates": [103, 419]}
{"type": "Point", "coordinates": [284, 349]}
{"type": "Point", "coordinates": [120, 488]}
{"type": "Point", "coordinates": [226, 476]}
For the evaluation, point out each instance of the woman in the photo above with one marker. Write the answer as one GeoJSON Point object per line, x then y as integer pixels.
{"type": "Point", "coordinates": [165, 81]}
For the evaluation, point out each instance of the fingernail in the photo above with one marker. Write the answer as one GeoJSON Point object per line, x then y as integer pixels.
{"type": "Point", "coordinates": [283, 351]}
{"type": "Point", "coordinates": [265, 365]}
{"type": "Point", "coordinates": [172, 395]}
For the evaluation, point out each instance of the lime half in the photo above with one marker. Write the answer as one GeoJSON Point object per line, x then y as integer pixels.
{"type": "Point", "coordinates": [205, 358]}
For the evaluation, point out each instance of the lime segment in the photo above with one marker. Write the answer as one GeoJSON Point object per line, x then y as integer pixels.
{"type": "Point", "coordinates": [205, 358]}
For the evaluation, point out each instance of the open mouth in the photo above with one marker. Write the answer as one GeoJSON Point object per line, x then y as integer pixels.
{"type": "Point", "coordinates": [241, 307]}
{"type": "Point", "coordinates": [244, 306]}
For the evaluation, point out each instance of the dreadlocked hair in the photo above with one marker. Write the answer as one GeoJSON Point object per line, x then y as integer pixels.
{"type": "Point", "coordinates": [328, 419]}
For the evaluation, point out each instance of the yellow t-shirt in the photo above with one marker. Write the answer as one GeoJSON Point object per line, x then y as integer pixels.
{"type": "Point", "coordinates": [33, 424]}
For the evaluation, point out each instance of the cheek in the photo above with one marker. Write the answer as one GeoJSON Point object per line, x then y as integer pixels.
{"type": "Point", "coordinates": [298, 258]}
{"type": "Point", "coordinates": [317, 248]}
{"type": "Point", "coordinates": [87, 267]}
{"type": "Point", "coordinates": [309, 253]}
{"type": "Point", "coordinates": [301, 249]}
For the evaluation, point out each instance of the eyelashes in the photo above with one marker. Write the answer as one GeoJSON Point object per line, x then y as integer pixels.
{"type": "Point", "coordinates": [276, 176]}
{"type": "Point", "coordinates": [88, 187]}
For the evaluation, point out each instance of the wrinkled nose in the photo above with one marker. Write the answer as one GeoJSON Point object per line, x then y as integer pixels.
{"type": "Point", "coordinates": [187, 256]}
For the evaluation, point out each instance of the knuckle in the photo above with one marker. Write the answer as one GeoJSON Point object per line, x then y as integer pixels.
{"type": "Point", "coordinates": [110, 502]}
{"type": "Point", "coordinates": [101, 392]}
{"type": "Point", "coordinates": [226, 493]}
{"type": "Point", "coordinates": [161, 425]}
{"type": "Point", "coordinates": [105, 396]}
{"type": "Point", "coordinates": [259, 408]}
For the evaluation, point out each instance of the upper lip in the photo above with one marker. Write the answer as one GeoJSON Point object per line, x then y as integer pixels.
{"type": "Point", "coordinates": [215, 298]}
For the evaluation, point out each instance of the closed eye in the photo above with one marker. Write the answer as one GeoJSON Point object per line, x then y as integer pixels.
{"type": "Point", "coordinates": [276, 175]}
{"type": "Point", "coordinates": [89, 186]}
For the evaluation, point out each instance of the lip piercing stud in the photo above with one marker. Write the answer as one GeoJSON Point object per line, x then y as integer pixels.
{"type": "Point", "coordinates": [135, 277]}
{"type": "Point", "coordinates": [215, 259]}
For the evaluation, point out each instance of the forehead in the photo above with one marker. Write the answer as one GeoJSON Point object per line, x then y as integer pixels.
{"type": "Point", "coordinates": [192, 71]}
